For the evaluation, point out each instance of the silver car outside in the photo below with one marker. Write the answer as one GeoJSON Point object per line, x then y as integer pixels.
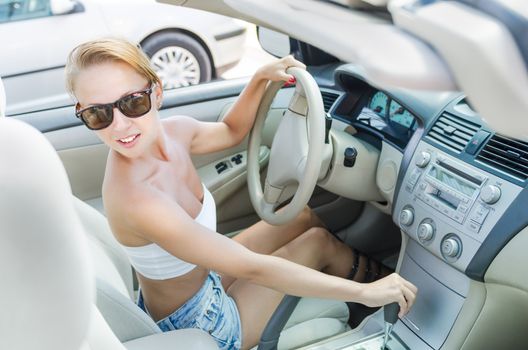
{"type": "Point", "coordinates": [186, 46]}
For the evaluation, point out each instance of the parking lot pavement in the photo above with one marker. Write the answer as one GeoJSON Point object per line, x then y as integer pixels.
{"type": "Point", "coordinates": [254, 57]}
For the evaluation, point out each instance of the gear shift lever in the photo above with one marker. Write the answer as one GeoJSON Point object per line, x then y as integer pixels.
{"type": "Point", "coordinates": [390, 314]}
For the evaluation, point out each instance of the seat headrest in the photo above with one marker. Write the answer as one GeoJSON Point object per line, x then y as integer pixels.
{"type": "Point", "coordinates": [47, 284]}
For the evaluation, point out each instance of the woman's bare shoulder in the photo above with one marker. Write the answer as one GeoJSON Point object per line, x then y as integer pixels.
{"type": "Point", "coordinates": [181, 127]}
{"type": "Point", "coordinates": [127, 200]}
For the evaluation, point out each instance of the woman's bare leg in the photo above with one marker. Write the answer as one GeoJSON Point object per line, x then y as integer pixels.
{"type": "Point", "coordinates": [317, 249]}
{"type": "Point", "coordinates": [264, 238]}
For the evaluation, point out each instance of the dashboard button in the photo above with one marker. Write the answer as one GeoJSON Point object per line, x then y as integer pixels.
{"type": "Point", "coordinates": [451, 247]}
{"type": "Point", "coordinates": [476, 141]}
{"type": "Point", "coordinates": [473, 226]}
{"type": "Point", "coordinates": [426, 231]}
{"type": "Point", "coordinates": [415, 175]}
{"type": "Point", "coordinates": [423, 159]}
{"type": "Point", "coordinates": [480, 214]}
{"type": "Point", "coordinates": [490, 194]}
{"type": "Point", "coordinates": [462, 209]}
{"type": "Point", "coordinates": [407, 216]}
{"type": "Point", "coordinates": [458, 218]}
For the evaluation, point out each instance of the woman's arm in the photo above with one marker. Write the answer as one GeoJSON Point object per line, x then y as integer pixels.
{"type": "Point", "coordinates": [160, 220]}
{"type": "Point", "coordinates": [210, 137]}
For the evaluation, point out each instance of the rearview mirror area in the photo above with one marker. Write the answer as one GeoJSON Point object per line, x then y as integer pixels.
{"type": "Point", "coordinates": [274, 43]}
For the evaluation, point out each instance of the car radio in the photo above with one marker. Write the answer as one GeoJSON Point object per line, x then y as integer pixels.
{"type": "Point", "coordinates": [448, 206]}
{"type": "Point", "coordinates": [450, 189]}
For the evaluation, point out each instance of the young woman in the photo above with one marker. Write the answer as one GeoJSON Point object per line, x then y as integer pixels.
{"type": "Point", "coordinates": [165, 218]}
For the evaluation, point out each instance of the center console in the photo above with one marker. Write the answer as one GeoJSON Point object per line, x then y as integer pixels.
{"type": "Point", "coordinates": [449, 207]}
{"type": "Point", "coordinates": [446, 208]}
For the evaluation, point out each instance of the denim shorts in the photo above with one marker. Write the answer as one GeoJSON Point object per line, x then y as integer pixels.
{"type": "Point", "coordinates": [210, 310]}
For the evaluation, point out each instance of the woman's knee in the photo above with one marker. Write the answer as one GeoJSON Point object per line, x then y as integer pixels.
{"type": "Point", "coordinates": [307, 218]}
{"type": "Point", "coordinates": [318, 236]}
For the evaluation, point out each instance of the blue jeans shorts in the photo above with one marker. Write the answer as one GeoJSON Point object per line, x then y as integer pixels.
{"type": "Point", "coordinates": [210, 310]}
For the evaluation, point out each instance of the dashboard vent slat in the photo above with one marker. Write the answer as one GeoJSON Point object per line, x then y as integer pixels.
{"type": "Point", "coordinates": [506, 155]}
{"type": "Point", "coordinates": [328, 99]}
{"type": "Point", "coordinates": [453, 132]}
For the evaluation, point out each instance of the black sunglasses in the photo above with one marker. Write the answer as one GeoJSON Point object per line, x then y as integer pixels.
{"type": "Point", "coordinates": [98, 117]}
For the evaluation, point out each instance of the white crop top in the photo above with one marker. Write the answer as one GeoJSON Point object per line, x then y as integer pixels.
{"type": "Point", "coordinates": [156, 263]}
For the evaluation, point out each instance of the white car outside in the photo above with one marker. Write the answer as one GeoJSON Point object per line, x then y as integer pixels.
{"type": "Point", "coordinates": [186, 46]}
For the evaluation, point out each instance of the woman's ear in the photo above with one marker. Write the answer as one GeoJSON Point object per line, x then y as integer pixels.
{"type": "Point", "coordinates": [158, 93]}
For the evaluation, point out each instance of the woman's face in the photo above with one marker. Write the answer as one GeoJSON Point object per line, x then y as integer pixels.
{"type": "Point", "coordinates": [106, 83]}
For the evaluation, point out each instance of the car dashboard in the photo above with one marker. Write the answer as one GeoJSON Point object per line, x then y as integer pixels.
{"type": "Point", "coordinates": [459, 195]}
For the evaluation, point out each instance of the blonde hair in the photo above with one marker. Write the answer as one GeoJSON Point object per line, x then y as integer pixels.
{"type": "Point", "coordinates": [108, 50]}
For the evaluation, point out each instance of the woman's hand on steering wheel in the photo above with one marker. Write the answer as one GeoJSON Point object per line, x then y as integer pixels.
{"type": "Point", "coordinates": [276, 70]}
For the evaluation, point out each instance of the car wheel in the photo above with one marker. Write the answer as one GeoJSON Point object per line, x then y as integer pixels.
{"type": "Point", "coordinates": [178, 59]}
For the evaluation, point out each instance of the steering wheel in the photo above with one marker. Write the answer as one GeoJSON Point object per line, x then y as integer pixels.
{"type": "Point", "coordinates": [296, 152]}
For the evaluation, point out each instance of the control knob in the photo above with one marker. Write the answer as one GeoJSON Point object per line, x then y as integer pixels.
{"type": "Point", "coordinates": [451, 247]}
{"type": "Point", "coordinates": [423, 159]}
{"type": "Point", "coordinates": [407, 216]}
{"type": "Point", "coordinates": [490, 194]}
{"type": "Point", "coordinates": [425, 231]}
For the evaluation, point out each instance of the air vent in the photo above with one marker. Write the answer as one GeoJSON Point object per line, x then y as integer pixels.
{"type": "Point", "coordinates": [328, 99]}
{"type": "Point", "coordinates": [507, 155]}
{"type": "Point", "coordinates": [453, 132]}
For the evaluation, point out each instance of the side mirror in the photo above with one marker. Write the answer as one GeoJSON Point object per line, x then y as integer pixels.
{"type": "Point", "coordinates": [62, 7]}
{"type": "Point", "coordinates": [274, 43]}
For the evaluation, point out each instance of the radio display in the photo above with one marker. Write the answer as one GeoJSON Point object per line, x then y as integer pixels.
{"type": "Point", "coordinates": [453, 182]}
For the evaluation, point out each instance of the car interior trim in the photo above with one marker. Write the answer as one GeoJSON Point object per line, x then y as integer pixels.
{"type": "Point", "coordinates": [511, 222]}
{"type": "Point", "coordinates": [516, 24]}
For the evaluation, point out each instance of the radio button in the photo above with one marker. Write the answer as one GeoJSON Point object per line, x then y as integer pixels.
{"type": "Point", "coordinates": [473, 226]}
{"type": "Point", "coordinates": [462, 209]}
{"type": "Point", "coordinates": [415, 175]}
{"type": "Point", "coordinates": [451, 248]}
{"type": "Point", "coordinates": [482, 211]}
{"type": "Point", "coordinates": [425, 232]}
{"type": "Point", "coordinates": [407, 216]}
{"type": "Point", "coordinates": [480, 214]}
{"type": "Point", "coordinates": [459, 218]}
{"type": "Point", "coordinates": [490, 194]}
{"type": "Point", "coordinates": [423, 159]}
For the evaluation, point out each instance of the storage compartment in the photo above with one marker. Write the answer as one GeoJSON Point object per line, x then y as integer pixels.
{"type": "Point", "coordinates": [436, 307]}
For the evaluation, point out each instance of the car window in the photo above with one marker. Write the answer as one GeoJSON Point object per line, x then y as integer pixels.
{"type": "Point", "coordinates": [23, 9]}
{"type": "Point", "coordinates": [182, 60]}
{"type": "Point", "coordinates": [186, 46]}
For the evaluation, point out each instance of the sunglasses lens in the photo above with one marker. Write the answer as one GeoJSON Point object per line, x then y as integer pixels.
{"type": "Point", "coordinates": [135, 105]}
{"type": "Point", "coordinates": [97, 117]}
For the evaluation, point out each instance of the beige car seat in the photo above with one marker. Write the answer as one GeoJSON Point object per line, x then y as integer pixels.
{"type": "Point", "coordinates": [52, 244]}
{"type": "Point", "coordinates": [46, 264]}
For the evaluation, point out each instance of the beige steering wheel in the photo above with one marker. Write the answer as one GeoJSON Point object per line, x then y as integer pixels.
{"type": "Point", "coordinates": [296, 152]}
